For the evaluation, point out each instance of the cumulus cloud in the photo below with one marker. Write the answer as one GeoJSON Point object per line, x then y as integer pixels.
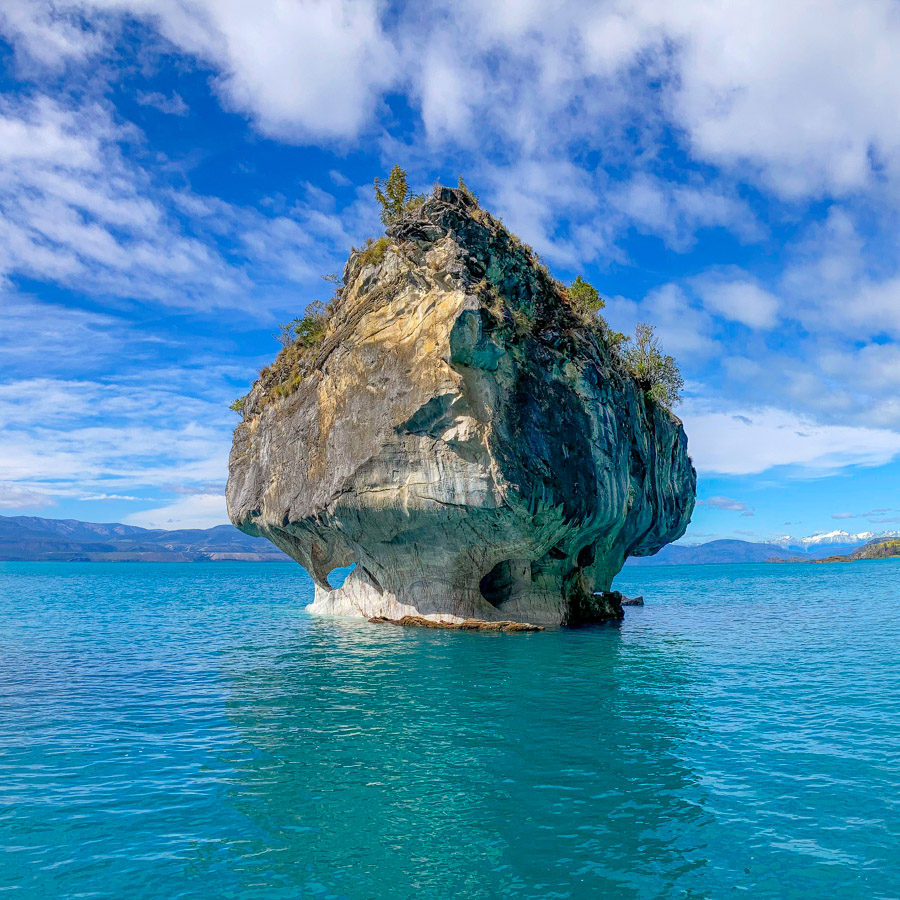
{"type": "Point", "coordinates": [685, 329]}
{"type": "Point", "coordinates": [675, 211]}
{"type": "Point", "coordinates": [583, 123]}
{"type": "Point", "coordinates": [799, 92]}
{"type": "Point", "coordinates": [800, 95]}
{"type": "Point", "coordinates": [842, 283]}
{"type": "Point", "coordinates": [298, 70]}
{"type": "Point", "coordinates": [739, 300]}
{"type": "Point", "coordinates": [47, 33]}
{"type": "Point", "coordinates": [797, 98]}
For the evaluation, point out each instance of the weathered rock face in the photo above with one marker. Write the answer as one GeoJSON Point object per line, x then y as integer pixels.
{"type": "Point", "coordinates": [463, 438]}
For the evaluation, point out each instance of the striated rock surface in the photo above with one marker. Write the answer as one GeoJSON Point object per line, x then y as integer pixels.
{"type": "Point", "coordinates": [463, 438]}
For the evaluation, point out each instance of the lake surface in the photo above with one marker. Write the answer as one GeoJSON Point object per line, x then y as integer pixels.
{"type": "Point", "coordinates": [187, 730]}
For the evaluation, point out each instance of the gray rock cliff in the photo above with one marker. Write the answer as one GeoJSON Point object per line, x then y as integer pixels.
{"type": "Point", "coordinates": [461, 436]}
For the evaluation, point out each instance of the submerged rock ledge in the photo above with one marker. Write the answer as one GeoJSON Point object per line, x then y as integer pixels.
{"type": "Point", "coordinates": [462, 437]}
{"type": "Point", "coordinates": [465, 625]}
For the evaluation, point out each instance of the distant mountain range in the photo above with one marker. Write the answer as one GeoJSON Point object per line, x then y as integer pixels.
{"type": "Point", "coordinates": [816, 546]}
{"type": "Point", "coordinates": [30, 538]}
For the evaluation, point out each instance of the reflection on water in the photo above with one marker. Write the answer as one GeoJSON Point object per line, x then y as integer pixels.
{"type": "Point", "coordinates": [187, 731]}
{"type": "Point", "coordinates": [478, 765]}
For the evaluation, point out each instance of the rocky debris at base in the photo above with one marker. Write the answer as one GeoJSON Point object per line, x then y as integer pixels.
{"type": "Point", "coordinates": [466, 625]}
{"type": "Point", "coordinates": [632, 601]}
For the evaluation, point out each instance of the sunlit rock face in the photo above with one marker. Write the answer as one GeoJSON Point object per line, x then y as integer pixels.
{"type": "Point", "coordinates": [463, 439]}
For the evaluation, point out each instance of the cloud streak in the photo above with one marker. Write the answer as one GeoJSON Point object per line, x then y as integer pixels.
{"type": "Point", "coordinates": [96, 440]}
{"type": "Point", "coordinates": [723, 442]}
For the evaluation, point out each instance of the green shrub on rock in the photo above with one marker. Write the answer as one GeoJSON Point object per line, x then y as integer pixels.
{"type": "Point", "coordinates": [373, 252]}
{"type": "Point", "coordinates": [656, 372]}
{"type": "Point", "coordinates": [574, 308]}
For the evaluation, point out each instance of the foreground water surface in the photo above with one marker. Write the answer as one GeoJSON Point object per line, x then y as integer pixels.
{"type": "Point", "coordinates": [173, 730]}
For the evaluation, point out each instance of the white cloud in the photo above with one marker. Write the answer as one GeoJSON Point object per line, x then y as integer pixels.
{"type": "Point", "coordinates": [299, 70]}
{"type": "Point", "coordinates": [874, 367]}
{"type": "Point", "coordinates": [801, 95]}
{"type": "Point", "coordinates": [46, 33]}
{"type": "Point", "coordinates": [46, 337]}
{"type": "Point", "coordinates": [726, 503]}
{"type": "Point", "coordinates": [75, 212]}
{"type": "Point", "coordinates": [801, 91]}
{"type": "Point", "coordinates": [739, 300]}
{"type": "Point", "coordinates": [172, 106]}
{"type": "Point", "coordinates": [675, 212]}
{"type": "Point", "coordinates": [195, 511]}
{"type": "Point", "coordinates": [534, 194]}
{"type": "Point", "coordinates": [831, 282]}
{"type": "Point", "coordinates": [872, 514]}
{"type": "Point", "coordinates": [565, 114]}
{"type": "Point", "coordinates": [751, 441]}
{"type": "Point", "coordinates": [14, 496]}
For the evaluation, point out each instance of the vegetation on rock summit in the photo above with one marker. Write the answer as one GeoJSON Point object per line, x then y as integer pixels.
{"type": "Point", "coordinates": [640, 356]}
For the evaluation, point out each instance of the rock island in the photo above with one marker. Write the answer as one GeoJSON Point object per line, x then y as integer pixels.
{"type": "Point", "coordinates": [455, 427]}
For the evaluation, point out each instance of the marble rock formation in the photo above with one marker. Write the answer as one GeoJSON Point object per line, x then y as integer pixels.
{"type": "Point", "coordinates": [462, 437]}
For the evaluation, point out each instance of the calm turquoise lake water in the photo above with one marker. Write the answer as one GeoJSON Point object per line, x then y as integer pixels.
{"type": "Point", "coordinates": [173, 731]}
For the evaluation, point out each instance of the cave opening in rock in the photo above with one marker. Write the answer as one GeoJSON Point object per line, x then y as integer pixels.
{"type": "Point", "coordinates": [496, 586]}
{"type": "Point", "coordinates": [337, 576]}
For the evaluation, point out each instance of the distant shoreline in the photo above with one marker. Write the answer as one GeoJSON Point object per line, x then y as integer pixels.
{"type": "Point", "coordinates": [34, 539]}
{"type": "Point", "coordinates": [164, 559]}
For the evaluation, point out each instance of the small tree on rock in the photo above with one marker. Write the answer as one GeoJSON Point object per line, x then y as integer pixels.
{"type": "Point", "coordinates": [587, 302]}
{"type": "Point", "coordinates": [585, 297]}
{"type": "Point", "coordinates": [656, 372]}
{"type": "Point", "coordinates": [395, 196]}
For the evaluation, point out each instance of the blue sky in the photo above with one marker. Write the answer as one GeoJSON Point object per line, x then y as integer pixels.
{"type": "Point", "coordinates": [177, 175]}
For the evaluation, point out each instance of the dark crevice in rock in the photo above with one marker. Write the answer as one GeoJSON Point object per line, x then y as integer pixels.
{"type": "Point", "coordinates": [496, 586]}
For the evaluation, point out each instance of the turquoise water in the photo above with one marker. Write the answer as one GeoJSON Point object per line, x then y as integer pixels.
{"type": "Point", "coordinates": [174, 731]}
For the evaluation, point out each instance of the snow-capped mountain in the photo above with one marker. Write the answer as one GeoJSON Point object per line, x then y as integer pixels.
{"type": "Point", "coordinates": [842, 539]}
{"type": "Point", "coordinates": [814, 546]}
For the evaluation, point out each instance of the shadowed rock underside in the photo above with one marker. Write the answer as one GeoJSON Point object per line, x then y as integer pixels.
{"type": "Point", "coordinates": [461, 437]}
